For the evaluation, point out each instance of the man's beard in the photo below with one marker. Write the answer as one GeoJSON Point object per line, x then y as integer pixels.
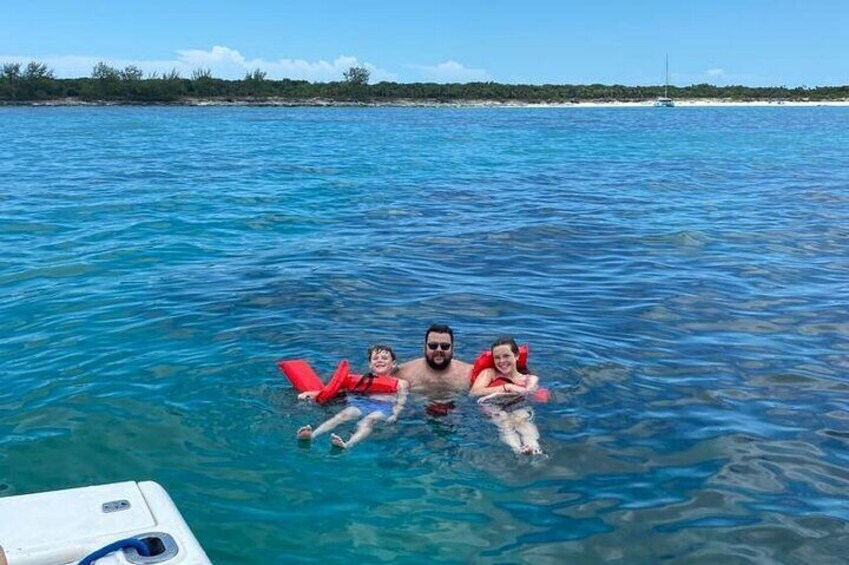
{"type": "Point", "coordinates": [438, 366]}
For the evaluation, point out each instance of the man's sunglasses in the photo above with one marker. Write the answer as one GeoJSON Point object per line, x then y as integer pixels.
{"type": "Point", "coordinates": [432, 345]}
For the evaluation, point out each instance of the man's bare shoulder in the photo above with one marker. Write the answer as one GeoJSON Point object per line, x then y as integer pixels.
{"type": "Point", "coordinates": [411, 363]}
{"type": "Point", "coordinates": [459, 369]}
{"type": "Point", "coordinates": [462, 365]}
{"type": "Point", "coordinates": [410, 369]}
{"type": "Point", "coordinates": [460, 373]}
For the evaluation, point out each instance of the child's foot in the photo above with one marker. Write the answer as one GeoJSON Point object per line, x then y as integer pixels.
{"type": "Point", "coordinates": [532, 450]}
{"type": "Point", "coordinates": [337, 441]}
{"type": "Point", "coordinates": [305, 433]}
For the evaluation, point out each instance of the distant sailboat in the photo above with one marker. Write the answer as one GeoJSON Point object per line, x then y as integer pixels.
{"type": "Point", "coordinates": [665, 101]}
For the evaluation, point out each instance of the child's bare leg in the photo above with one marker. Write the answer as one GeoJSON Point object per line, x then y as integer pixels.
{"type": "Point", "coordinates": [349, 413]}
{"type": "Point", "coordinates": [528, 432]}
{"type": "Point", "coordinates": [511, 438]}
{"type": "Point", "coordinates": [364, 429]}
{"type": "Point", "coordinates": [507, 430]}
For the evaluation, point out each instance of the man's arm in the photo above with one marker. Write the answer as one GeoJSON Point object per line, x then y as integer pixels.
{"type": "Point", "coordinates": [408, 371]}
{"type": "Point", "coordinates": [463, 374]}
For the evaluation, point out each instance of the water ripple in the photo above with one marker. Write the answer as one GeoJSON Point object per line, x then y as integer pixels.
{"type": "Point", "coordinates": [680, 278]}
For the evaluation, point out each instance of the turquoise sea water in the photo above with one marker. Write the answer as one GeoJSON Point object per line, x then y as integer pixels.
{"type": "Point", "coordinates": [681, 276]}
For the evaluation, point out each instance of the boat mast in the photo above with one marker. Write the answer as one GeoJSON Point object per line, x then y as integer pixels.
{"type": "Point", "coordinates": [666, 84]}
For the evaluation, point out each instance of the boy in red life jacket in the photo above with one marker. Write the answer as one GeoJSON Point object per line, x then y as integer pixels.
{"type": "Point", "coordinates": [504, 394]}
{"type": "Point", "coordinates": [386, 407]}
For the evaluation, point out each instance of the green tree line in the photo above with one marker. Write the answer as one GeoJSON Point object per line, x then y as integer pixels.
{"type": "Point", "coordinates": [35, 82]}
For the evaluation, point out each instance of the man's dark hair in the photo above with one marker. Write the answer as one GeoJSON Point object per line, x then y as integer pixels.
{"type": "Point", "coordinates": [440, 329]}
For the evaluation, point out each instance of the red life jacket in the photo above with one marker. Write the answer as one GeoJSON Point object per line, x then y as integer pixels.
{"type": "Point", "coordinates": [304, 379]}
{"type": "Point", "coordinates": [301, 375]}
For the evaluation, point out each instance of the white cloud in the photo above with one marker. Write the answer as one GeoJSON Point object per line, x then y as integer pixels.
{"type": "Point", "coordinates": [715, 72]}
{"type": "Point", "coordinates": [222, 61]}
{"type": "Point", "coordinates": [228, 63]}
{"type": "Point", "coordinates": [68, 66]}
{"type": "Point", "coordinates": [451, 71]}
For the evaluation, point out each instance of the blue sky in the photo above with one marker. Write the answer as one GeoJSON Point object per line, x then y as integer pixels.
{"type": "Point", "coordinates": [722, 42]}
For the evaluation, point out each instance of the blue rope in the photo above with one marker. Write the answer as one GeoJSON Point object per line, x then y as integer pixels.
{"type": "Point", "coordinates": [136, 543]}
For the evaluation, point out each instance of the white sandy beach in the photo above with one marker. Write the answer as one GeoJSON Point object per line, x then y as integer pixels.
{"type": "Point", "coordinates": [320, 102]}
{"type": "Point", "coordinates": [709, 102]}
{"type": "Point", "coordinates": [693, 103]}
{"type": "Point", "coordinates": [690, 103]}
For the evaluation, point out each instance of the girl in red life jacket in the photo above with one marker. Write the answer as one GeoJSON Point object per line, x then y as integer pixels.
{"type": "Point", "coordinates": [375, 407]}
{"type": "Point", "coordinates": [504, 394]}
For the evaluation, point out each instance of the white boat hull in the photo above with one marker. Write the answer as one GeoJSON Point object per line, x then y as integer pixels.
{"type": "Point", "coordinates": [63, 527]}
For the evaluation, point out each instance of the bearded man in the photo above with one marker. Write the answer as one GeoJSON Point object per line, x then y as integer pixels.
{"type": "Point", "coordinates": [437, 375]}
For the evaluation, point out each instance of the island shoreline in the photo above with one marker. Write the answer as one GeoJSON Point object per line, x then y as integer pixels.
{"type": "Point", "coordinates": [415, 103]}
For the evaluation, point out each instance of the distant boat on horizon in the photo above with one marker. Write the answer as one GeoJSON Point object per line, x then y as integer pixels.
{"type": "Point", "coordinates": [665, 101]}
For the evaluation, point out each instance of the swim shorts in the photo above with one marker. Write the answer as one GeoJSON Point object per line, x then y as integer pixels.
{"type": "Point", "coordinates": [368, 405]}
